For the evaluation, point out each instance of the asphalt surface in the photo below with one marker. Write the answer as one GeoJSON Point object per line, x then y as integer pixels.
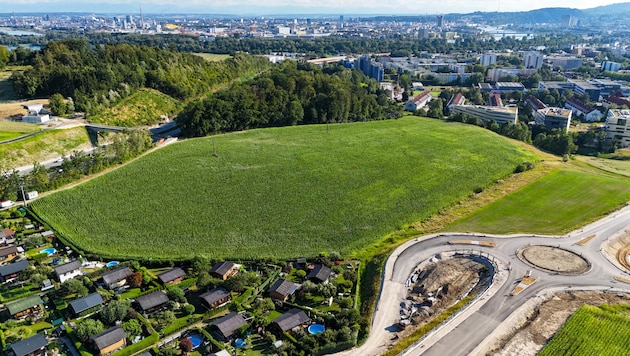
{"type": "Point", "coordinates": [466, 332]}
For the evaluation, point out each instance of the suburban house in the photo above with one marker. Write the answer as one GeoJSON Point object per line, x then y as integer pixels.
{"type": "Point", "coordinates": [215, 298]}
{"type": "Point", "coordinates": [223, 270]}
{"type": "Point", "coordinates": [68, 271]}
{"type": "Point", "coordinates": [116, 278]}
{"type": "Point", "coordinates": [152, 302]}
{"type": "Point", "coordinates": [11, 271]}
{"type": "Point", "coordinates": [32, 346]}
{"type": "Point", "coordinates": [8, 254]}
{"type": "Point", "coordinates": [419, 101]}
{"type": "Point", "coordinates": [578, 107]}
{"type": "Point", "coordinates": [290, 320]}
{"type": "Point", "coordinates": [82, 304]}
{"type": "Point", "coordinates": [319, 274]}
{"type": "Point", "coordinates": [109, 340]}
{"type": "Point", "coordinates": [36, 114]}
{"type": "Point", "coordinates": [225, 327]}
{"type": "Point", "coordinates": [282, 289]}
{"type": "Point", "coordinates": [29, 307]}
{"type": "Point", "coordinates": [7, 236]}
{"type": "Point", "coordinates": [172, 276]}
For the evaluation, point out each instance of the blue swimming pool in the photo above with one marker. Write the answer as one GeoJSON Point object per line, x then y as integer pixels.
{"type": "Point", "coordinates": [196, 340]}
{"type": "Point", "coordinates": [48, 251]}
{"type": "Point", "coordinates": [240, 343]}
{"type": "Point", "coordinates": [316, 329]}
{"type": "Point", "coordinates": [112, 264]}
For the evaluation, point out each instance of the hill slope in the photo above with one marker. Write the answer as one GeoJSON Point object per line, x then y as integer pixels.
{"type": "Point", "coordinates": [281, 192]}
{"type": "Point", "coordinates": [144, 107]}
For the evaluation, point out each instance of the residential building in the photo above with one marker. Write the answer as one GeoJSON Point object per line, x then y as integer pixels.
{"type": "Point", "coordinates": [578, 107]}
{"type": "Point", "coordinates": [9, 272]}
{"type": "Point", "coordinates": [152, 302]}
{"type": "Point", "coordinates": [282, 289]}
{"type": "Point", "coordinates": [109, 341]}
{"type": "Point", "coordinates": [535, 103]}
{"type": "Point", "coordinates": [533, 60]}
{"type": "Point", "coordinates": [7, 236]}
{"type": "Point", "coordinates": [290, 320]}
{"type": "Point", "coordinates": [29, 307]}
{"type": "Point", "coordinates": [225, 327]}
{"type": "Point", "coordinates": [223, 270]}
{"type": "Point", "coordinates": [8, 254]}
{"type": "Point", "coordinates": [495, 100]}
{"type": "Point", "coordinates": [488, 59]}
{"type": "Point", "coordinates": [172, 276]}
{"type": "Point", "coordinates": [457, 99]}
{"type": "Point", "coordinates": [496, 74]}
{"type": "Point", "coordinates": [215, 298]}
{"type": "Point", "coordinates": [488, 113]}
{"type": "Point", "coordinates": [618, 126]}
{"type": "Point", "coordinates": [559, 86]}
{"type": "Point", "coordinates": [67, 271]}
{"type": "Point", "coordinates": [508, 87]}
{"type": "Point", "coordinates": [116, 278]}
{"type": "Point", "coordinates": [32, 346]}
{"type": "Point", "coordinates": [319, 274]}
{"type": "Point", "coordinates": [554, 118]}
{"type": "Point", "coordinates": [611, 66]}
{"type": "Point", "coordinates": [80, 305]}
{"type": "Point", "coordinates": [566, 63]}
{"type": "Point", "coordinates": [616, 100]}
{"type": "Point", "coordinates": [371, 68]}
{"type": "Point", "coordinates": [419, 101]}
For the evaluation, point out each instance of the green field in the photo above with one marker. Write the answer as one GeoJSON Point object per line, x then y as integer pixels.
{"type": "Point", "coordinates": [144, 107]}
{"type": "Point", "coordinates": [45, 145]}
{"type": "Point", "coordinates": [619, 166]}
{"type": "Point", "coordinates": [12, 129]}
{"type": "Point", "coordinates": [560, 201]}
{"type": "Point", "coordinates": [593, 330]}
{"type": "Point", "coordinates": [282, 192]}
{"type": "Point", "coordinates": [211, 57]}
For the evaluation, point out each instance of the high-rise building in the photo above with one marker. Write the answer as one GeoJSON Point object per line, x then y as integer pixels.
{"type": "Point", "coordinates": [440, 20]}
{"type": "Point", "coordinates": [488, 59]}
{"type": "Point", "coordinates": [533, 60]}
{"type": "Point", "coordinates": [617, 126]}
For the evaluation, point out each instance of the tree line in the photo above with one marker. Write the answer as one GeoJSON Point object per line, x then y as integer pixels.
{"type": "Point", "coordinates": [122, 147]}
{"type": "Point", "coordinates": [293, 93]}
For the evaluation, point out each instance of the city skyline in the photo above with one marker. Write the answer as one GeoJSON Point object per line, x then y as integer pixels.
{"type": "Point", "coordinates": [279, 7]}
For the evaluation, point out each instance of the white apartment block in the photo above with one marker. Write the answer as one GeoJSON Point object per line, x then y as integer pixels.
{"type": "Point", "coordinates": [617, 126]}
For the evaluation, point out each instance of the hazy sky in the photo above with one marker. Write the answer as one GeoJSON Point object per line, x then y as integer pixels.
{"type": "Point", "coordinates": [248, 7]}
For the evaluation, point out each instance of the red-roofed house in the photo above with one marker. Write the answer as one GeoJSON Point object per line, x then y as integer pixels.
{"type": "Point", "coordinates": [418, 101]}
{"type": "Point", "coordinates": [580, 108]}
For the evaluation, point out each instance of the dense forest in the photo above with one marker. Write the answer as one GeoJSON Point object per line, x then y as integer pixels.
{"type": "Point", "coordinates": [399, 45]}
{"type": "Point", "coordinates": [95, 76]}
{"type": "Point", "coordinates": [294, 93]}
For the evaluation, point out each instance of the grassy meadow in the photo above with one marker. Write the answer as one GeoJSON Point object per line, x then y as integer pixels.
{"type": "Point", "coordinates": [557, 202]}
{"type": "Point", "coordinates": [43, 146]}
{"type": "Point", "coordinates": [281, 192]}
{"type": "Point", "coordinates": [593, 330]}
{"type": "Point", "coordinates": [144, 107]}
{"type": "Point", "coordinates": [211, 57]}
{"type": "Point", "coordinates": [12, 129]}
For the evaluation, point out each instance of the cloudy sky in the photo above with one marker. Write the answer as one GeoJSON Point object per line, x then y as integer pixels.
{"type": "Point", "coordinates": [258, 7]}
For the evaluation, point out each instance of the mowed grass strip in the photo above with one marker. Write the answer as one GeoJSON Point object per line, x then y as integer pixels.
{"type": "Point", "coordinates": [281, 192]}
{"type": "Point", "coordinates": [43, 146]}
{"type": "Point", "coordinates": [593, 330]}
{"type": "Point", "coordinates": [556, 203]}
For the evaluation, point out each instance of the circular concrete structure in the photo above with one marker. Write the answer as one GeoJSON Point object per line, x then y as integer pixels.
{"type": "Point", "coordinates": [553, 259]}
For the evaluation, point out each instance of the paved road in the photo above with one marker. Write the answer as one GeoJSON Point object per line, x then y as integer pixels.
{"type": "Point", "coordinates": [469, 330]}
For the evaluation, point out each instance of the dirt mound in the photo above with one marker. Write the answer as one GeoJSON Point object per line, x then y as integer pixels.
{"type": "Point", "coordinates": [446, 279]}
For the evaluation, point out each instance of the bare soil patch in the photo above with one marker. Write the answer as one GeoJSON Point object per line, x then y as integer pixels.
{"type": "Point", "coordinates": [16, 109]}
{"type": "Point", "coordinates": [547, 319]}
{"type": "Point", "coordinates": [553, 259]}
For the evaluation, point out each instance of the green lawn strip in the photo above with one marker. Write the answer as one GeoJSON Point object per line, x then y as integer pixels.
{"type": "Point", "coordinates": [280, 192]}
{"type": "Point", "coordinates": [618, 166]}
{"type": "Point", "coordinates": [556, 203]}
{"type": "Point", "coordinates": [401, 345]}
{"type": "Point", "coordinates": [593, 330]}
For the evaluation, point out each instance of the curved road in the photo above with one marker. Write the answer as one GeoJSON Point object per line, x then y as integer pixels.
{"type": "Point", "coordinates": [466, 332]}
